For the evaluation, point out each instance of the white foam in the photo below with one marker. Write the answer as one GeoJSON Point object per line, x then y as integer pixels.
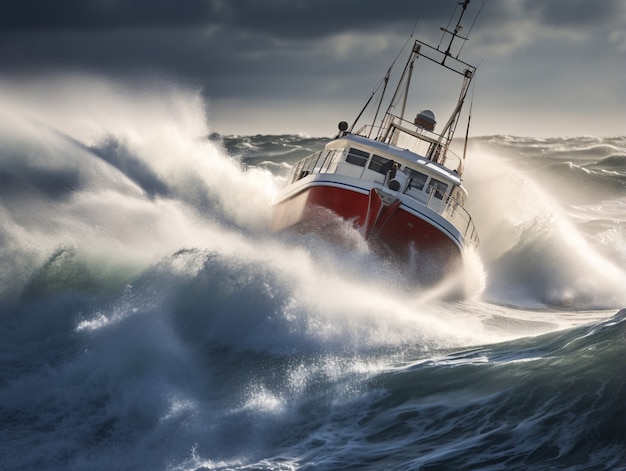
{"type": "Point", "coordinates": [533, 253]}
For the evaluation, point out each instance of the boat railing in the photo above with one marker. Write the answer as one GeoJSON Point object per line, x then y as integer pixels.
{"type": "Point", "coordinates": [454, 212]}
{"type": "Point", "coordinates": [405, 135]}
{"type": "Point", "coordinates": [324, 161]}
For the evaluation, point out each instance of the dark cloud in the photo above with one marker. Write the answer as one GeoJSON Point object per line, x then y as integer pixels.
{"type": "Point", "coordinates": [240, 49]}
{"type": "Point", "coordinates": [310, 19]}
{"type": "Point", "coordinates": [97, 15]}
{"type": "Point", "coordinates": [280, 18]}
{"type": "Point", "coordinates": [576, 13]}
{"type": "Point", "coordinates": [195, 38]}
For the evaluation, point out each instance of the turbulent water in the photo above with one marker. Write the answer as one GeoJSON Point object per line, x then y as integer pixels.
{"type": "Point", "coordinates": [150, 320]}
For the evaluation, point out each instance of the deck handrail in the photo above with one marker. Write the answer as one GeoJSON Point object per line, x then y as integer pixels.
{"type": "Point", "coordinates": [455, 213]}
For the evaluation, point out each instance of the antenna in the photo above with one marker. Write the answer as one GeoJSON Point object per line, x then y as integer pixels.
{"type": "Point", "coordinates": [445, 29]}
{"type": "Point", "coordinates": [454, 34]}
{"type": "Point", "coordinates": [471, 27]}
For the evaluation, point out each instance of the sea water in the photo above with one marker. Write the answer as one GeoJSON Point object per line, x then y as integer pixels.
{"type": "Point", "coordinates": [150, 320]}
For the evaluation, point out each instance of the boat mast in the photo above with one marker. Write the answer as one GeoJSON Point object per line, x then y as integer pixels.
{"type": "Point", "coordinates": [467, 71]}
{"type": "Point", "coordinates": [393, 124]}
{"type": "Point", "coordinates": [455, 33]}
{"type": "Point", "coordinates": [448, 131]}
{"type": "Point", "coordinates": [440, 56]}
{"type": "Point", "coordinates": [401, 94]}
{"type": "Point", "coordinates": [405, 93]}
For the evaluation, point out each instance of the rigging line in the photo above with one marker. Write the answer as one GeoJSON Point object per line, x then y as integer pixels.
{"type": "Point", "coordinates": [469, 119]}
{"type": "Point", "coordinates": [393, 63]}
{"type": "Point", "coordinates": [443, 35]}
{"type": "Point", "coordinates": [382, 81]}
{"type": "Point", "coordinates": [380, 102]}
{"type": "Point", "coordinates": [470, 29]}
{"type": "Point", "coordinates": [414, 28]}
{"type": "Point", "coordinates": [404, 46]}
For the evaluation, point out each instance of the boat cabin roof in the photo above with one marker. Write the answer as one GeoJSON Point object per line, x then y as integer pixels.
{"type": "Point", "coordinates": [402, 156]}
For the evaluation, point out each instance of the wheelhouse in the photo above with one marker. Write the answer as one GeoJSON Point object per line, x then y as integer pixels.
{"type": "Point", "coordinates": [416, 177]}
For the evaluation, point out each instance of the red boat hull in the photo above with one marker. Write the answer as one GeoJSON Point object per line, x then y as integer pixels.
{"type": "Point", "coordinates": [391, 229]}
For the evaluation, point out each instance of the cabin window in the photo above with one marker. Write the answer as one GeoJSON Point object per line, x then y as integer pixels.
{"type": "Point", "coordinates": [440, 188]}
{"type": "Point", "coordinates": [418, 179]}
{"type": "Point", "coordinates": [380, 164]}
{"type": "Point", "coordinates": [357, 157]}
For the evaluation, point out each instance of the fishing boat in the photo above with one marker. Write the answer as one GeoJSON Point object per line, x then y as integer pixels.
{"type": "Point", "coordinates": [395, 179]}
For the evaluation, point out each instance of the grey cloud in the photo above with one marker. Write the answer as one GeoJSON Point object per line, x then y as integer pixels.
{"type": "Point", "coordinates": [96, 15]}
{"type": "Point", "coordinates": [195, 38]}
{"type": "Point", "coordinates": [284, 48]}
{"type": "Point", "coordinates": [309, 19]}
{"type": "Point", "coordinates": [577, 13]}
{"type": "Point", "coordinates": [278, 18]}
{"type": "Point", "coordinates": [286, 19]}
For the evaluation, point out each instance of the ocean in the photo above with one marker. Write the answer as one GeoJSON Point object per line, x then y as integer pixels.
{"type": "Point", "coordinates": [149, 320]}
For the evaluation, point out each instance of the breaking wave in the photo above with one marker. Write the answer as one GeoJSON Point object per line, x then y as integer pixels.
{"type": "Point", "coordinates": [149, 319]}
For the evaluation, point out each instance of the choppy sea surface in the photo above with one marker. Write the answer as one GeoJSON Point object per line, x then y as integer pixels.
{"type": "Point", "coordinates": [150, 320]}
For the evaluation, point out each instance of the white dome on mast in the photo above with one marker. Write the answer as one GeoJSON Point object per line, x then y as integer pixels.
{"type": "Point", "coordinates": [426, 119]}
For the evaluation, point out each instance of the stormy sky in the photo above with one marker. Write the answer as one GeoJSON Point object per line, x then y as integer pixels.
{"type": "Point", "coordinates": [547, 67]}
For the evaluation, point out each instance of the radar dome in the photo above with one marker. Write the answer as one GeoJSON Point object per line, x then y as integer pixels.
{"type": "Point", "coordinates": [426, 119]}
